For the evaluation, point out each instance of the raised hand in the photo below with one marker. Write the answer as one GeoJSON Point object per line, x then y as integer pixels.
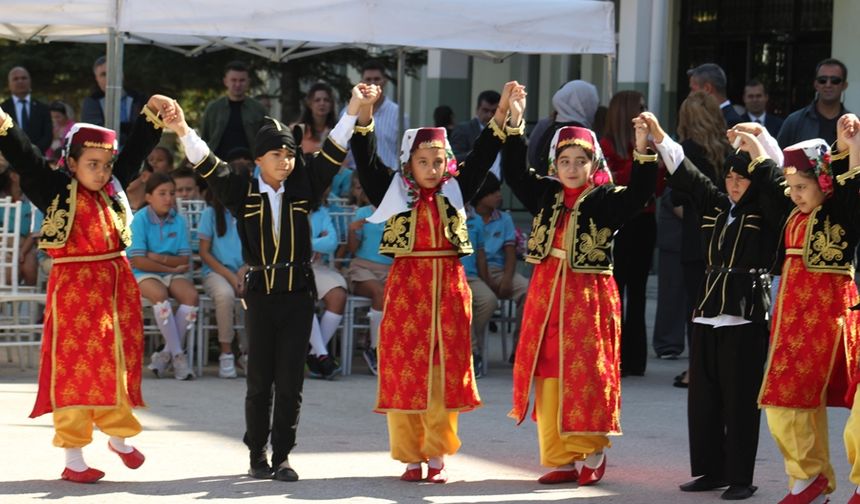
{"type": "Point", "coordinates": [848, 132]}
{"type": "Point", "coordinates": [175, 119]}
{"type": "Point", "coordinates": [505, 100]}
{"type": "Point", "coordinates": [753, 128]}
{"type": "Point", "coordinates": [654, 127]}
{"type": "Point", "coordinates": [746, 142]}
{"type": "Point", "coordinates": [161, 104]}
{"type": "Point", "coordinates": [641, 130]}
{"type": "Point", "coordinates": [517, 104]}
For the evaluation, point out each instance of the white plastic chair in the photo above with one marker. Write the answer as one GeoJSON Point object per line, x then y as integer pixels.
{"type": "Point", "coordinates": [347, 345]}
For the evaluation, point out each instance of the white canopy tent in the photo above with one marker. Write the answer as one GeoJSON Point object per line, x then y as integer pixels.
{"type": "Point", "coordinates": [284, 30]}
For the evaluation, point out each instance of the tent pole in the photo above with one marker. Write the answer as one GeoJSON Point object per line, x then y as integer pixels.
{"type": "Point", "coordinates": [401, 90]}
{"type": "Point", "coordinates": [113, 90]}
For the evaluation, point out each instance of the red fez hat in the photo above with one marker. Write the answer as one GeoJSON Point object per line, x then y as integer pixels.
{"type": "Point", "coordinates": [429, 138]}
{"type": "Point", "coordinates": [92, 136]}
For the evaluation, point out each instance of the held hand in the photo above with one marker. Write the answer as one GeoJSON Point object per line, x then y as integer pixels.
{"type": "Point", "coordinates": [517, 105]}
{"type": "Point", "coordinates": [641, 131]}
{"type": "Point", "coordinates": [753, 128]}
{"type": "Point", "coordinates": [847, 129]}
{"type": "Point", "coordinates": [746, 142]}
{"type": "Point", "coordinates": [505, 100]}
{"type": "Point", "coordinates": [2, 116]}
{"type": "Point", "coordinates": [176, 120]}
{"type": "Point", "coordinates": [654, 127]}
{"type": "Point", "coordinates": [161, 104]}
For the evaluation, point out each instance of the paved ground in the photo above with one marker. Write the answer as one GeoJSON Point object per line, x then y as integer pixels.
{"type": "Point", "coordinates": [194, 453]}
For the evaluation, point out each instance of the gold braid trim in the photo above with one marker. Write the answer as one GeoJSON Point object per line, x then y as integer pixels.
{"type": "Point", "coordinates": [7, 124]}
{"type": "Point", "coordinates": [497, 131]}
{"type": "Point", "coordinates": [152, 117]}
{"type": "Point", "coordinates": [850, 174]}
{"type": "Point", "coordinates": [364, 130]}
{"type": "Point", "coordinates": [755, 162]}
{"type": "Point", "coordinates": [516, 130]}
{"type": "Point", "coordinates": [837, 156]}
{"type": "Point", "coordinates": [644, 158]}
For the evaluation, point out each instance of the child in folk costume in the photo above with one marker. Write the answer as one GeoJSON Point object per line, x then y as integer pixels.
{"type": "Point", "coordinates": [92, 342]}
{"type": "Point", "coordinates": [571, 350]}
{"type": "Point", "coordinates": [740, 226]}
{"type": "Point", "coordinates": [425, 367]}
{"type": "Point", "coordinates": [814, 335]}
{"type": "Point", "coordinates": [272, 211]}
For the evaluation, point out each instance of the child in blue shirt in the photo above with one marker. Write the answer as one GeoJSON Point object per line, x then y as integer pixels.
{"type": "Point", "coordinates": [500, 242]}
{"type": "Point", "coordinates": [331, 290]}
{"type": "Point", "coordinates": [368, 269]}
{"type": "Point", "coordinates": [160, 256]}
{"type": "Point", "coordinates": [222, 271]}
{"type": "Point", "coordinates": [484, 300]}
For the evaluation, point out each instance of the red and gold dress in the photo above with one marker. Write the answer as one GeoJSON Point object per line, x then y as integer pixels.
{"type": "Point", "coordinates": [426, 321]}
{"type": "Point", "coordinates": [813, 351]}
{"type": "Point", "coordinates": [571, 330]}
{"type": "Point", "coordinates": [92, 343]}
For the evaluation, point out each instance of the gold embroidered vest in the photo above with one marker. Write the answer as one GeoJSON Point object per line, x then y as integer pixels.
{"type": "Point", "coordinates": [60, 216]}
{"type": "Point", "coordinates": [398, 236]}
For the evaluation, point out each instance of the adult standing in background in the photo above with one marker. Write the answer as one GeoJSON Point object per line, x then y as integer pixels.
{"type": "Point", "coordinates": [233, 120]}
{"type": "Point", "coordinates": [464, 135]}
{"type": "Point", "coordinates": [818, 119]}
{"type": "Point", "coordinates": [93, 108]}
{"type": "Point", "coordinates": [711, 79]}
{"type": "Point", "coordinates": [32, 115]}
{"type": "Point", "coordinates": [575, 104]}
{"type": "Point", "coordinates": [755, 101]}
{"type": "Point", "coordinates": [386, 115]}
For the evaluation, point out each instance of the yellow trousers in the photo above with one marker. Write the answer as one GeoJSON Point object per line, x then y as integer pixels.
{"type": "Point", "coordinates": [416, 437]}
{"type": "Point", "coordinates": [802, 438]}
{"type": "Point", "coordinates": [74, 426]}
{"type": "Point", "coordinates": [557, 449]}
{"type": "Point", "coordinates": [852, 439]}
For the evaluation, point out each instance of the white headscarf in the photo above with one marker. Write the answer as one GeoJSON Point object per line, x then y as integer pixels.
{"type": "Point", "coordinates": [576, 101]}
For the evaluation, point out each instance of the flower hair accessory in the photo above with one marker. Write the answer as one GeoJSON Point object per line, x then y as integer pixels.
{"type": "Point", "coordinates": [810, 156]}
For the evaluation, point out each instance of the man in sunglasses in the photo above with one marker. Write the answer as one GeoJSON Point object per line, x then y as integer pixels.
{"type": "Point", "coordinates": [818, 119]}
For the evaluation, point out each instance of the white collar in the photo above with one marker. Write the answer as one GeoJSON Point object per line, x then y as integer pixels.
{"type": "Point", "coordinates": [22, 100]}
{"type": "Point", "coordinates": [757, 118]}
{"type": "Point", "coordinates": [725, 104]}
{"type": "Point", "coordinates": [396, 199]}
{"type": "Point", "coordinates": [269, 189]}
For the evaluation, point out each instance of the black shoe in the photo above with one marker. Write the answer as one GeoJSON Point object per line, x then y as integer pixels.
{"type": "Point", "coordinates": [313, 365]}
{"type": "Point", "coordinates": [738, 492]}
{"type": "Point", "coordinates": [328, 367]}
{"type": "Point", "coordinates": [478, 362]}
{"type": "Point", "coordinates": [703, 484]}
{"type": "Point", "coordinates": [370, 358]}
{"type": "Point", "coordinates": [286, 474]}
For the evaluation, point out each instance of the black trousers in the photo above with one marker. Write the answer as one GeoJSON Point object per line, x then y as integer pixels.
{"type": "Point", "coordinates": [694, 276]}
{"type": "Point", "coordinates": [726, 370]}
{"type": "Point", "coordinates": [279, 327]}
{"type": "Point", "coordinates": [633, 253]}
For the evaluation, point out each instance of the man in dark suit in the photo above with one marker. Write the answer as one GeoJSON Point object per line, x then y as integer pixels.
{"type": "Point", "coordinates": [32, 115]}
{"type": "Point", "coordinates": [464, 134]}
{"type": "Point", "coordinates": [711, 79]}
{"type": "Point", "coordinates": [755, 101]}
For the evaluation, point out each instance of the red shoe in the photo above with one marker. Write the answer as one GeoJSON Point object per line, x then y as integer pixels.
{"type": "Point", "coordinates": [855, 498]}
{"type": "Point", "coordinates": [590, 476]}
{"type": "Point", "coordinates": [411, 475]}
{"type": "Point", "coordinates": [89, 476]}
{"type": "Point", "coordinates": [436, 475]}
{"type": "Point", "coordinates": [812, 491]}
{"type": "Point", "coordinates": [132, 460]}
{"type": "Point", "coordinates": [556, 477]}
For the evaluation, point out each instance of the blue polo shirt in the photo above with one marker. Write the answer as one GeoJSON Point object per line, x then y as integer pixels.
{"type": "Point", "coordinates": [227, 249]}
{"type": "Point", "coordinates": [26, 217]}
{"type": "Point", "coordinates": [342, 183]}
{"type": "Point", "coordinates": [498, 232]}
{"type": "Point", "coordinates": [475, 225]}
{"type": "Point", "coordinates": [370, 235]}
{"type": "Point", "coordinates": [321, 221]}
{"type": "Point", "coordinates": [149, 233]}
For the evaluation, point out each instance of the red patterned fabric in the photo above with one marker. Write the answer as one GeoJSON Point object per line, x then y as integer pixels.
{"type": "Point", "coordinates": [814, 336]}
{"type": "Point", "coordinates": [576, 340]}
{"type": "Point", "coordinates": [92, 346]}
{"type": "Point", "coordinates": [427, 317]}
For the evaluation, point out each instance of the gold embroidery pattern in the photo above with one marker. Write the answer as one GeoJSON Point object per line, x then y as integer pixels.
{"type": "Point", "coordinates": [595, 244]}
{"type": "Point", "coordinates": [56, 222]}
{"type": "Point", "coordinates": [395, 232]}
{"type": "Point", "coordinates": [827, 244]}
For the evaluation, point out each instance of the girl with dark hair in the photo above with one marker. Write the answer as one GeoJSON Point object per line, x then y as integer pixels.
{"type": "Point", "coordinates": [93, 321]}
{"type": "Point", "coordinates": [223, 269]}
{"type": "Point", "coordinates": [160, 256]}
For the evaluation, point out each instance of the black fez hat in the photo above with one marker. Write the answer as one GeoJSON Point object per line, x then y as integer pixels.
{"type": "Point", "coordinates": [739, 162]}
{"type": "Point", "coordinates": [273, 135]}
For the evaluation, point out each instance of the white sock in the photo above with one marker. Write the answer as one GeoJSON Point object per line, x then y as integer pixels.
{"type": "Point", "coordinates": [375, 317]}
{"type": "Point", "coordinates": [167, 326]}
{"type": "Point", "coordinates": [802, 484]}
{"type": "Point", "coordinates": [317, 343]}
{"type": "Point", "coordinates": [594, 460]}
{"type": "Point", "coordinates": [436, 462]}
{"type": "Point", "coordinates": [185, 318]}
{"type": "Point", "coordinates": [415, 465]}
{"type": "Point", "coordinates": [75, 460]}
{"type": "Point", "coordinates": [118, 444]}
{"type": "Point", "coordinates": [329, 324]}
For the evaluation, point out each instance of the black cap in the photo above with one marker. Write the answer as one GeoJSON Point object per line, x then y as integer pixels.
{"type": "Point", "coordinates": [273, 135]}
{"type": "Point", "coordinates": [491, 184]}
{"type": "Point", "coordinates": [739, 162]}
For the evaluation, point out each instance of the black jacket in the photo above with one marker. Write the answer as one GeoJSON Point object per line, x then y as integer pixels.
{"type": "Point", "coordinates": [739, 255]}
{"type": "Point", "coordinates": [288, 253]}
{"type": "Point", "coordinates": [40, 129]}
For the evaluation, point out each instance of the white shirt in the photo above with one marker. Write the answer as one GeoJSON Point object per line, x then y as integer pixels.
{"type": "Point", "coordinates": [19, 107]}
{"type": "Point", "coordinates": [275, 199]}
{"type": "Point", "coordinates": [759, 119]}
{"type": "Point", "coordinates": [725, 104]}
{"type": "Point", "coordinates": [386, 120]}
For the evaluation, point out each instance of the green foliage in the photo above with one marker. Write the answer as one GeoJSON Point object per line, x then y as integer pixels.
{"type": "Point", "coordinates": [63, 71]}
